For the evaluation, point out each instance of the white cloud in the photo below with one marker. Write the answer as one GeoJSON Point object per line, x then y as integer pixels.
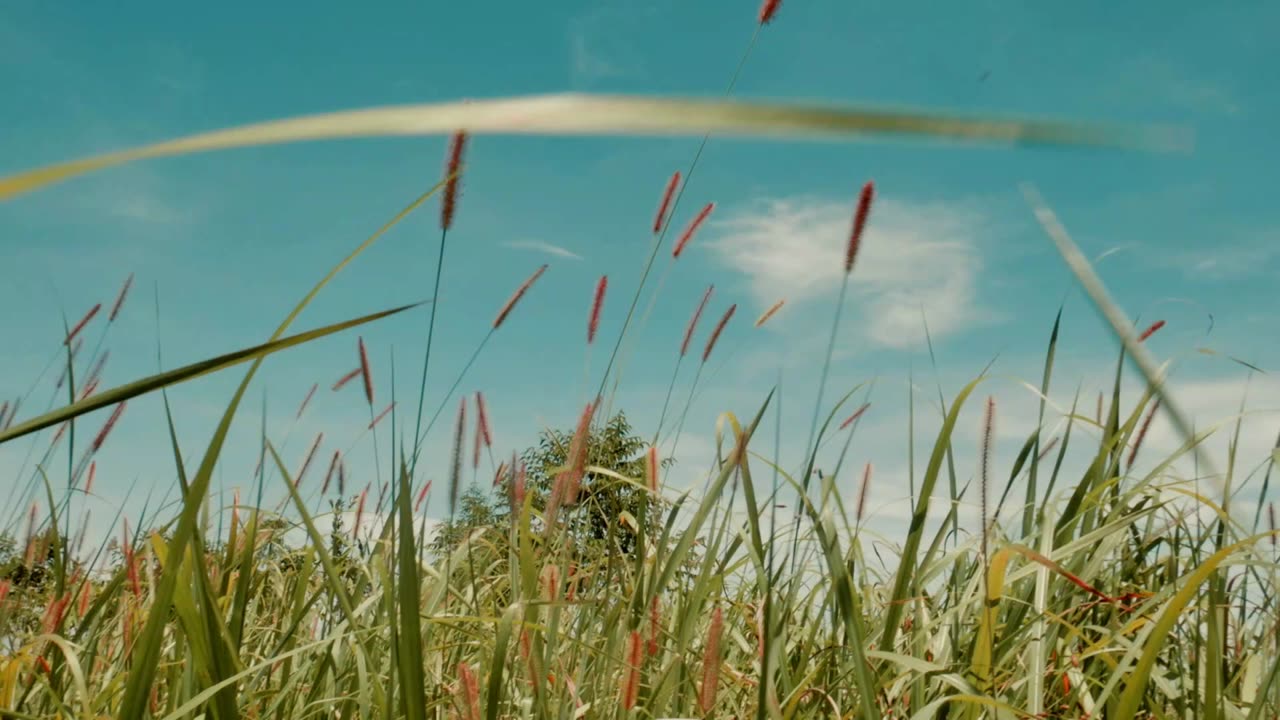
{"type": "Point", "coordinates": [544, 247]}
{"type": "Point", "coordinates": [913, 256]}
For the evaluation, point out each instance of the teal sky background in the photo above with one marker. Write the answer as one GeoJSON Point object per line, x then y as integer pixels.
{"type": "Point", "coordinates": [229, 241]}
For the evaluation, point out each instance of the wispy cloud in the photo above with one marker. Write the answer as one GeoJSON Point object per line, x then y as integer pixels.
{"type": "Point", "coordinates": [543, 247]}
{"type": "Point", "coordinates": [914, 256]}
{"type": "Point", "coordinates": [600, 46]}
{"type": "Point", "coordinates": [1151, 77]}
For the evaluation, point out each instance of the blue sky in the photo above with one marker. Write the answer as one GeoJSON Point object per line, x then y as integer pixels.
{"type": "Point", "coordinates": [230, 241]}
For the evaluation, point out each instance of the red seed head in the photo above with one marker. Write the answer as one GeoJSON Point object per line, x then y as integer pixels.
{"type": "Point", "coordinates": [346, 379]}
{"type": "Point", "coordinates": [422, 496]}
{"type": "Point", "coordinates": [364, 495]}
{"type": "Point", "coordinates": [693, 321]}
{"type": "Point", "coordinates": [479, 440]}
{"type": "Point", "coordinates": [711, 663]}
{"type": "Point", "coordinates": [124, 292]}
{"type": "Point", "coordinates": [597, 304]}
{"type": "Point", "coordinates": [693, 228]}
{"type": "Point", "coordinates": [364, 372]}
{"type": "Point", "coordinates": [862, 492]}
{"type": "Point", "coordinates": [306, 400]}
{"type": "Point", "coordinates": [768, 9]}
{"type": "Point", "coordinates": [483, 414]}
{"type": "Point", "coordinates": [80, 325]}
{"type": "Point", "coordinates": [770, 312]}
{"type": "Point", "coordinates": [449, 201]}
{"type": "Point", "coordinates": [1150, 330]}
{"type": "Point", "coordinates": [631, 680]}
{"type": "Point", "coordinates": [106, 429]}
{"type": "Point", "coordinates": [455, 471]}
{"type": "Point", "coordinates": [469, 692]}
{"type": "Point", "coordinates": [333, 467]}
{"type": "Point", "coordinates": [515, 297]}
{"type": "Point", "coordinates": [381, 415]}
{"type": "Point", "coordinates": [651, 468]}
{"type": "Point", "coordinates": [1271, 521]}
{"type": "Point", "coordinates": [854, 417]}
{"type": "Point", "coordinates": [859, 224]}
{"type": "Point", "coordinates": [667, 194]}
{"type": "Point", "coordinates": [1142, 432]}
{"type": "Point", "coordinates": [310, 456]}
{"type": "Point", "coordinates": [715, 334]}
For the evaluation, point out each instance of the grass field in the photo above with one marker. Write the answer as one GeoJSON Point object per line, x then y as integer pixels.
{"type": "Point", "coordinates": [1103, 593]}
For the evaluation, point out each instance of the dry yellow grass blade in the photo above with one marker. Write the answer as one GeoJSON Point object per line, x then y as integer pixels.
{"type": "Point", "coordinates": [575, 114]}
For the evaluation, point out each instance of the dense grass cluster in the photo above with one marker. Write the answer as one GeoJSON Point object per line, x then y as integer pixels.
{"type": "Point", "coordinates": [760, 594]}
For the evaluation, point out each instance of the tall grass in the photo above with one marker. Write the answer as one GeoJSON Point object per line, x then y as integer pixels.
{"type": "Point", "coordinates": [1111, 596]}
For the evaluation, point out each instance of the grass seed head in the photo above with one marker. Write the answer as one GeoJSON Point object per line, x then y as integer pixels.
{"type": "Point", "coordinates": [859, 224]}
{"type": "Point", "coordinates": [764, 318]}
{"type": "Point", "coordinates": [715, 334]}
{"type": "Point", "coordinates": [515, 297]}
{"type": "Point", "coordinates": [80, 325]}
{"type": "Point", "coordinates": [768, 9]}
{"type": "Point", "coordinates": [364, 372]}
{"type": "Point", "coordinates": [119, 303]}
{"type": "Point", "coordinates": [597, 304]}
{"type": "Point", "coordinates": [449, 201]}
{"type": "Point", "coordinates": [1151, 330]}
{"type": "Point", "coordinates": [687, 236]}
{"type": "Point", "coordinates": [667, 195]}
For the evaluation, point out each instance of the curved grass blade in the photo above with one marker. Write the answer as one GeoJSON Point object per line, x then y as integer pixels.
{"type": "Point", "coordinates": [183, 374]}
{"type": "Point", "coordinates": [578, 114]}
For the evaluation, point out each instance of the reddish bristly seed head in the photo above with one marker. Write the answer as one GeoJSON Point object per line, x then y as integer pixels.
{"type": "Point", "coordinates": [768, 9]}
{"type": "Point", "coordinates": [711, 663]}
{"type": "Point", "coordinates": [364, 372]}
{"type": "Point", "coordinates": [88, 483]}
{"type": "Point", "coordinates": [119, 303]}
{"type": "Point", "coordinates": [1142, 432]}
{"type": "Point", "coordinates": [631, 680]}
{"type": "Point", "coordinates": [364, 495]}
{"type": "Point", "coordinates": [455, 467]}
{"type": "Point", "coordinates": [518, 487]}
{"type": "Point", "coordinates": [422, 497]}
{"type": "Point", "coordinates": [449, 201]}
{"type": "Point", "coordinates": [515, 297]}
{"type": "Point", "coordinates": [715, 334]}
{"type": "Point", "coordinates": [667, 194]}
{"type": "Point", "coordinates": [862, 492]}
{"type": "Point", "coordinates": [346, 379]}
{"type": "Point", "coordinates": [477, 443]}
{"type": "Point", "coordinates": [689, 232]}
{"type": "Point", "coordinates": [770, 312]}
{"type": "Point", "coordinates": [1151, 330]}
{"type": "Point", "coordinates": [1048, 446]}
{"type": "Point", "coordinates": [333, 467]}
{"type": "Point", "coordinates": [306, 400]}
{"type": "Point", "coordinates": [651, 468]}
{"type": "Point", "coordinates": [482, 412]}
{"type": "Point", "coordinates": [385, 411]}
{"type": "Point", "coordinates": [469, 692]}
{"type": "Point", "coordinates": [859, 224]}
{"type": "Point", "coordinates": [988, 434]}
{"type": "Point", "coordinates": [597, 304]}
{"type": "Point", "coordinates": [96, 373]}
{"type": "Point", "coordinates": [307, 462]}
{"type": "Point", "coordinates": [80, 325]}
{"type": "Point", "coordinates": [693, 320]}
{"type": "Point", "coordinates": [106, 428]}
{"type": "Point", "coordinates": [4, 590]}
{"type": "Point", "coordinates": [342, 478]}
{"type": "Point", "coordinates": [854, 417]}
{"type": "Point", "coordinates": [1271, 521]}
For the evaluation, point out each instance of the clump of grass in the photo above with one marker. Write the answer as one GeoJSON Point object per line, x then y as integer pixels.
{"type": "Point", "coordinates": [1108, 600]}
